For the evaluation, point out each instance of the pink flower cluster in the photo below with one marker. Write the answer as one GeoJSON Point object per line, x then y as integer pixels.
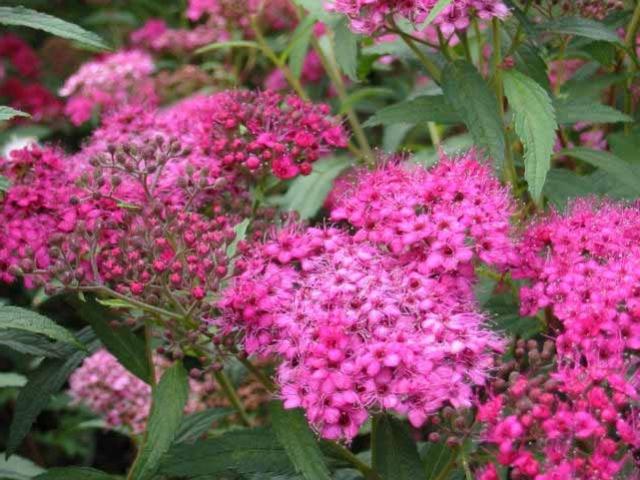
{"type": "Point", "coordinates": [369, 16]}
{"type": "Point", "coordinates": [274, 14]}
{"type": "Point", "coordinates": [155, 35]}
{"type": "Point", "coordinates": [384, 319]}
{"type": "Point", "coordinates": [19, 86]}
{"type": "Point", "coordinates": [122, 399]}
{"type": "Point", "coordinates": [111, 81]}
{"type": "Point", "coordinates": [575, 422]}
{"type": "Point", "coordinates": [34, 208]}
{"type": "Point", "coordinates": [264, 132]}
{"type": "Point", "coordinates": [585, 267]}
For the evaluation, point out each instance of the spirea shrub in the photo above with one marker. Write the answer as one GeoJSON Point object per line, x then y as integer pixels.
{"type": "Point", "coordinates": [340, 239]}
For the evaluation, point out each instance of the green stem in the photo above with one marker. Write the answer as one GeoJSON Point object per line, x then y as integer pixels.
{"type": "Point", "coordinates": [256, 372]}
{"type": "Point", "coordinates": [465, 465]}
{"type": "Point", "coordinates": [148, 348]}
{"type": "Point", "coordinates": [465, 45]}
{"type": "Point", "coordinates": [428, 64]}
{"type": "Point", "coordinates": [136, 303]}
{"type": "Point", "coordinates": [338, 84]}
{"type": "Point", "coordinates": [346, 455]}
{"type": "Point", "coordinates": [271, 55]}
{"type": "Point", "coordinates": [630, 42]}
{"type": "Point", "coordinates": [232, 396]}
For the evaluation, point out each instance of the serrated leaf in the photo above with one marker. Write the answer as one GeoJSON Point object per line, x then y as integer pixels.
{"type": "Point", "coordinates": [169, 399]}
{"type": "Point", "coordinates": [622, 171]}
{"type": "Point", "coordinates": [346, 49]}
{"type": "Point", "coordinates": [575, 111]}
{"type": "Point", "coordinates": [22, 319]}
{"type": "Point", "coordinates": [247, 452]}
{"type": "Point", "coordinates": [29, 343]}
{"type": "Point", "coordinates": [293, 432]}
{"type": "Point", "coordinates": [530, 62]}
{"type": "Point", "coordinates": [197, 424]}
{"type": "Point", "coordinates": [75, 473]}
{"type": "Point", "coordinates": [435, 458]}
{"type": "Point", "coordinates": [43, 382]}
{"type": "Point", "coordinates": [121, 342]}
{"type": "Point", "coordinates": [7, 113]}
{"type": "Point", "coordinates": [472, 99]}
{"type": "Point", "coordinates": [25, 17]}
{"type": "Point", "coordinates": [12, 380]}
{"type": "Point", "coordinates": [582, 27]}
{"type": "Point", "coordinates": [307, 194]}
{"type": "Point", "coordinates": [423, 109]}
{"type": "Point", "coordinates": [18, 468]}
{"type": "Point", "coordinates": [394, 453]}
{"type": "Point", "coordinates": [535, 124]}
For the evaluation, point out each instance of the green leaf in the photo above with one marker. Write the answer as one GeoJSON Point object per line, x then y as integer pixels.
{"type": "Point", "coordinates": [121, 342]}
{"type": "Point", "coordinates": [346, 48]}
{"type": "Point", "coordinates": [317, 9]}
{"type": "Point", "coordinates": [582, 27]}
{"type": "Point", "coordinates": [361, 94]}
{"type": "Point", "coordinates": [472, 99]}
{"type": "Point", "coordinates": [29, 343]}
{"type": "Point", "coordinates": [22, 319]}
{"type": "Point", "coordinates": [298, 47]}
{"type": "Point", "coordinates": [197, 424]}
{"type": "Point", "coordinates": [293, 432]}
{"type": "Point", "coordinates": [394, 453]}
{"type": "Point", "coordinates": [622, 171]}
{"type": "Point", "coordinates": [25, 17]}
{"type": "Point", "coordinates": [626, 146]}
{"type": "Point", "coordinates": [505, 311]}
{"type": "Point", "coordinates": [47, 379]}
{"type": "Point", "coordinates": [563, 185]}
{"type": "Point", "coordinates": [18, 468]}
{"type": "Point", "coordinates": [435, 458]}
{"type": "Point", "coordinates": [12, 380]}
{"type": "Point", "coordinates": [574, 111]}
{"type": "Point", "coordinates": [535, 124]}
{"type": "Point", "coordinates": [5, 183]}
{"type": "Point", "coordinates": [307, 194]}
{"type": "Point", "coordinates": [7, 113]}
{"type": "Point", "coordinates": [241, 233]}
{"type": "Point", "coordinates": [169, 399]}
{"type": "Point", "coordinates": [530, 62]}
{"type": "Point", "coordinates": [423, 109]}
{"type": "Point", "coordinates": [230, 44]}
{"type": "Point", "coordinates": [435, 11]}
{"type": "Point", "coordinates": [75, 473]}
{"type": "Point", "coordinates": [248, 452]}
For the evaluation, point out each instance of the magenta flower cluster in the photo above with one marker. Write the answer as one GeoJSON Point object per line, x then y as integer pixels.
{"type": "Point", "coordinates": [383, 319]}
{"type": "Point", "coordinates": [370, 16]}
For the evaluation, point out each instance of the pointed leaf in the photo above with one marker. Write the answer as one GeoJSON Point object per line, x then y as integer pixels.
{"type": "Point", "coordinates": [121, 342]}
{"type": "Point", "coordinates": [18, 468]}
{"type": "Point", "coordinates": [169, 400]}
{"type": "Point", "coordinates": [346, 48]}
{"type": "Point", "coordinates": [7, 113]}
{"type": "Point", "coordinates": [535, 123]}
{"type": "Point", "coordinates": [395, 456]}
{"type": "Point", "coordinates": [582, 27]}
{"type": "Point", "coordinates": [622, 171]}
{"type": "Point", "coordinates": [22, 319]}
{"type": "Point", "coordinates": [299, 45]}
{"type": "Point", "coordinates": [307, 194]}
{"type": "Point", "coordinates": [29, 343]}
{"type": "Point", "coordinates": [248, 452]}
{"type": "Point", "coordinates": [293, 432]}
{"type": "Point", "coordinates": [576, 111]}
{"type": "Point", "coordinates": [472, 99]}
{"type": "Point", "coordinates": [423, 109]}
{"type": "Point", "coordinates": [47, 379]}
{"type": "Point", "coordinates": [75, 473]}
{"type": "Point", "coordinates": [197, 424]}
{"type": "Point", "coordinates": [25, 17]}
